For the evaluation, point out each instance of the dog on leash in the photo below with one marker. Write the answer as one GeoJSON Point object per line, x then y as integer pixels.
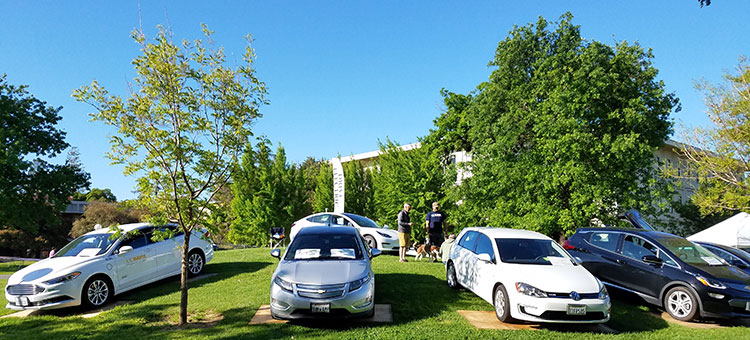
{"type": "Point", "coordinates": [422, 252]}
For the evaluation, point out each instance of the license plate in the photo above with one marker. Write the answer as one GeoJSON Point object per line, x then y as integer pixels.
{"type": "Point", "coordinates": [22, 301]}
{"type": "Point", "coordinates": [320, 307]}
{"type": "Point", "coordinates": [576, 310]}
{"type": "Point", "coordinates": [747, 305]}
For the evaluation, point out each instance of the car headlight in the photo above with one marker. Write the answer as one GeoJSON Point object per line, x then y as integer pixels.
{"type": "Point", "coordinates": [284, 284]}
{"type": "Point", "coordinates": [354, 285]}
{"type": "Point", "coordinates": [527, 289]}
{"type": "Point", "coordinates": [710, 283]}
{"type": "Point", "coordinates": [384, 234]}
{"type": "Point", "coordinates": [63, 278]}
{"type": "Point", "coordinates": [603, 293]}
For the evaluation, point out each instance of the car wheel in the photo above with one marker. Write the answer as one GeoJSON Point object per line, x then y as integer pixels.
{"type": "Point", "coordinates": [97, 292]}
{"type": "Point", "coordinates": [371, 242]}
{"type": "Point", "coordinates": [196, 262]}
{"type": "Point", "coordinates": [450, 276]}
{"type": "Point", "coordinates": [681, 304]}
{"type": "Point", "coordinates": [502, 304]}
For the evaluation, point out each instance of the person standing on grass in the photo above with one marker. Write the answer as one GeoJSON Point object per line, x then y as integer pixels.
{"type": "Point", "coordinates": [404, 231]}
{"type": "Point", "coordinates": [434, 224]}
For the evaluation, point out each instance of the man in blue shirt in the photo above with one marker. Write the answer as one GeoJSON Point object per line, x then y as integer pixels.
{"type": "Point", "coordinates": [434, 223]}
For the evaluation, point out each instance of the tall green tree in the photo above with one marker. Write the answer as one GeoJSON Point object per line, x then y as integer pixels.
{"type": "Point", "coordinates": [33, 191]}
{"type": "Point", "coordinates": [413, 176]}
{"type": "Point", "coordinates": [720, 155]}
{"type": "Point", "coordinates": [186, 121]}
{"type": "Point", "coordinates": [96, 194]}
{"type": "Point", "coordinates": [562, 133]}
{"type": "Point", "coordinates": [323, 197]}
{"type": "Point", "coordinates": [268, 192]}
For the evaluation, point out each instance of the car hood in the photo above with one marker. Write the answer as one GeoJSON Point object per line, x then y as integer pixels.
{"type": "Point", "coordinates": [48, 269]}
{"type": "Point", "coordinates": [391, 232]}
{"type": "Point", "coordinates": [555, 278]}
{"type": "Point", "coordinates": [322, 272]}
{"type": "Point", "coordinates": [725, 273]}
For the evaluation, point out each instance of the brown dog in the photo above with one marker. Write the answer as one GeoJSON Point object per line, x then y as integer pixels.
{"type": "Point", "coordinates": [421, 252]}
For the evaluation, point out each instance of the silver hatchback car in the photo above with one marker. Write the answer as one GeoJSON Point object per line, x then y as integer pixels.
{"type": "Point", "coordinates": [325, 272]}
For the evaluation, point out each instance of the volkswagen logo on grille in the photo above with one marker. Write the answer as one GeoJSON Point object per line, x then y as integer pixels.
{"type": "Point", "coordinates": [321, 291]}
{"type": "Point", "coordinates": [575, 296]}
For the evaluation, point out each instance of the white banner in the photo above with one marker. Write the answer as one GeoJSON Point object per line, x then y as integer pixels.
{"type": "Point", "coordinates": [338, 185]}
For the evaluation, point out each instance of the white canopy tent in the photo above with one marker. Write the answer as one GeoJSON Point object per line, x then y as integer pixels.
{"type": "Point", "coordinates": [732, 232]}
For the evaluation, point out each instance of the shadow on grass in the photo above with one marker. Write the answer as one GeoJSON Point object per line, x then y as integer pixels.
{"type": "Point", "coordinates": [631, 314]}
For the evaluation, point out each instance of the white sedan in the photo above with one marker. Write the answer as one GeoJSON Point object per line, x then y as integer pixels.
{"type": "Point", "coordinates": [377, 237]}
{"type": "Point", "coordinates": [526, 276]}
{"type": "Point", "coordinates": [94, 267]}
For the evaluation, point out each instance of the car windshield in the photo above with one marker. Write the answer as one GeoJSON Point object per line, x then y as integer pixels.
{"type": "Point", "coordinates": [689, 252]}
{"type": "Point", "coordinates": [324, 247]}
{"type": "Point", "coordinates": [532, 251]}
{"type": "Point", "coordinates": [87, 245]}
{"type": "Point", "coordinates": [363, 221]}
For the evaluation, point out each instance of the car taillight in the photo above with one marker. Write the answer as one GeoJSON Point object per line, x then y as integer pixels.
{"type": "Point", "coordinates": [568, 246]}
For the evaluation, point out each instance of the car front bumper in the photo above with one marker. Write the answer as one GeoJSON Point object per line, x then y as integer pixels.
{"type": "Point", "coordinates": [54, 296]}
{"type": "Point", "coordinates": [290, 305]}
{"type": "Point", "coordinates": [733, 304]}
{"type": "Point", "coordinates": [554, 310]}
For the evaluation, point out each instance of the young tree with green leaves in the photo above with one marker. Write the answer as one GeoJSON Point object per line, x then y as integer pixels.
{"type": "Point", "coordinates": [720, 155]}
{"type": "Point", "coordinates": [562, 133]}
{"type": "Point", "coordinates": [187, 120]}
{"type": "Point", "coordinates": [33, 192]}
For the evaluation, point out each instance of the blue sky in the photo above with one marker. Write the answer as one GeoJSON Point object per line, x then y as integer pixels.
{"type": "Point", "coordinates": [342, 75]}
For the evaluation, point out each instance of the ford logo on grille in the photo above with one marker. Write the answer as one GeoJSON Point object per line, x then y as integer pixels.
{"type": "Point", "coordinates": [575, 296]}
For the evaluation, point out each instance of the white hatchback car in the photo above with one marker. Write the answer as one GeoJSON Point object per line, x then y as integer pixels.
{"type": "Point", "coordinates": [94, 267]}
{"type": "Point", "coordinates": [377, 237]}
{"type": "Point", "coordinates": [526, 276]}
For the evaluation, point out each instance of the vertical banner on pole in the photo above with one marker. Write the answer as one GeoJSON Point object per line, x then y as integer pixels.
{"type": "Point", "coordinates": [338, 185]}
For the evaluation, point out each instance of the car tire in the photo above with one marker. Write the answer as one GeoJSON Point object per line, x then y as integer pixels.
{"type": "Point", "coordinates": [196, 263]}
{"type": "Point", "coordinates": [681, 304]}
{"type": "Point", "coordinates": [97, 292]}
{"type": "Point", "coordinates": [371, 242]}
{"type": "Point", "coordinates": [502, 304]}
{"type": "Point", "coordinates": [450, 276]}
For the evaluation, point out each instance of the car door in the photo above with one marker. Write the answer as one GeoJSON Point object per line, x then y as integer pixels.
{"type": "Point", "coordinates": [634, 273]}
{"type": "Point", "coordinates": [464, 259]}
{"type": "Point", "coordinates": [602, 258]}
{"type": "Point", "coordinates": [484, 280]}
{"type": "Point", "coordinates": [169, 251]}
{"type": "Point", "coordinates": [139, 264]}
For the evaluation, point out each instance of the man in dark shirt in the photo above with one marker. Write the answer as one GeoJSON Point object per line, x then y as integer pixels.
{"type": "Point", "coordinates": [404, 231]}
{"type": "Point", "coordinates": [434, 222]}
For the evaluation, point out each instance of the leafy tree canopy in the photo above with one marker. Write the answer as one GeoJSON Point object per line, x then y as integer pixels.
{"type": "Point", "coordinates": [32, 190]}
{"type": "Point", "coordinates": [96, 194]}
{"type": "Point", "coordinates": [562, 133]}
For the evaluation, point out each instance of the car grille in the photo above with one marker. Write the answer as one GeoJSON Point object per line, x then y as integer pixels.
{"type": "Point", "coordinates": [567, 295]}
{"type": "Point", "coordinates": [321, 292]}
{"type": "Point", "coordinates": [24, 289]}
{"type": "Point", "coordinates": [556, 315]}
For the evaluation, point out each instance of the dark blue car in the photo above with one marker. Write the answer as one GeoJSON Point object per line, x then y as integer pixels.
{"type": "Point", "coordinates": [733, 256]}
{"type": "Point", "coordinates": [669, 271]}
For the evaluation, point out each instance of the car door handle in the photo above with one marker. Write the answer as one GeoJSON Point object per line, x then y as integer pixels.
{"type": "Point", "coordinates": [623, 262]}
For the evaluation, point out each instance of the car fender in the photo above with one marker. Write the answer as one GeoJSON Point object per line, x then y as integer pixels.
{"type": "Point", "coordinates": [673, 284]}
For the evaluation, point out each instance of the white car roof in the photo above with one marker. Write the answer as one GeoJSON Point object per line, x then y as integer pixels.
{"type": "Point", "coordinates": [124, 227]}
{"type": "Point", "coordinates": [509, 233]}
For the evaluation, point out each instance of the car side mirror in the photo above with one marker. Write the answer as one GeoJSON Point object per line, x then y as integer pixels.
{"type": "Point", "coordinates": [386, 226]}
{"type": "Point", "coordinates": [375, 252]}
{"type": "Point", "coordinates": [276, 253]}
{"type": "Point", "coordinates": [578, 260]}
{"type": "Point", "coordinates": [124, 249]}
{"type": "Point", "coordinates": [739, 264]}
{"type": "Point", "coordinates": [651, 259]}
{"type": "Point", "coordinates": [484, 257]}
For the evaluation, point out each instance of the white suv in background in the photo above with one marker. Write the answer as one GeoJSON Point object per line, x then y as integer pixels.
{"type": "Point", "coordinates": [376, 236]}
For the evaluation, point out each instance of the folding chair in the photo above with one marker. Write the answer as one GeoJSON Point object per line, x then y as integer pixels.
{"type": "Point", "coordinates": [278, 239]}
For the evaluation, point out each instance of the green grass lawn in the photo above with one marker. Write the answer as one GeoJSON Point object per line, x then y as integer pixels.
{"type": "Point", "coordinates": [11, 267]}
{"type": "Point", "coordinates": [423, 308]}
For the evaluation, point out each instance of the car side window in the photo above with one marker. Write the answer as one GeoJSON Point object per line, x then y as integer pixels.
{"type": "Point", "coordinates": [636, 248]}
{"type": "Point", "coordinates": [605, 240]}
{"type": "Point", "coordinates": [723, 254]}
{"type": "Point", "coordinates": [322, 218]}
{"type": "Point", "coordinates": [469, 240]}
{"type": "Point", "coordinates": [136, 241]}
{"type": "Point", "coordinates": [484, 246]}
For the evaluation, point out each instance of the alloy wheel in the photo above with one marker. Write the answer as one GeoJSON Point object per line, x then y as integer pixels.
{"type": "Point", "coordinates": [97, 292]}
{"type": "Point", "coordinates": [195, 263]}
{"type": "Point", "coordinates": [680, 304]}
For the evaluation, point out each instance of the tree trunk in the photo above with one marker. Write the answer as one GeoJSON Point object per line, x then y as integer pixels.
{"type": "Point", "coordinates": [184, 280]}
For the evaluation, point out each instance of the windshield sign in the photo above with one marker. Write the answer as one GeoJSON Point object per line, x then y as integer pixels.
{"type": "Point", "coordinates": [528, 251]}
{"type": "Point", "coordinates": [87, 245]}
{"type": "Point", "coordinates": [324, 247]}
